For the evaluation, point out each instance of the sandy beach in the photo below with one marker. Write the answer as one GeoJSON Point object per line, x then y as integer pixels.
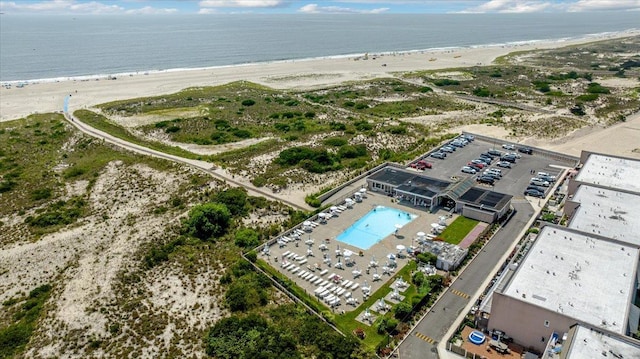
{"type": "Point", "coordinates": [17, 102]}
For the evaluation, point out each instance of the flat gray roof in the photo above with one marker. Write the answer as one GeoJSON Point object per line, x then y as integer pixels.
{"type": "Point", "coordinates": [583, 277]}
{"type": "Point", "coordinates": [613, 172]}
{"type": "Point", "coordinates": [588, 343]}
{"type": "Point", "coordinates": [608, 213]}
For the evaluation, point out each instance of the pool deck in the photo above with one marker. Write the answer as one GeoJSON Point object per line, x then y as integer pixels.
{"type": "Point", "coordinates": [327, 233]}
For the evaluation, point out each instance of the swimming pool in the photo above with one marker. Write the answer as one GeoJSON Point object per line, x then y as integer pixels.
{"type": "Point", "coordinates": [374, 226]}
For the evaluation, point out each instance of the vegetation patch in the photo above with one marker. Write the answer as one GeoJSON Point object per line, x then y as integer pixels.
{"type": "Point", "coordinates": [25, 313]}
{"type": "Point", "coordinates": [458, 229]}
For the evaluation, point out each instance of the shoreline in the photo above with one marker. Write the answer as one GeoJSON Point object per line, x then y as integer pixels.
{"type": "Point", "coordinates": [18, 102]}
{"type": "Point", "coordinates": [512, 44]}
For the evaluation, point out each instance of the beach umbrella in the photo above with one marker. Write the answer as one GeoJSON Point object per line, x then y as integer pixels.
{"type": "Point", "coordinates": [400, 247]}
{"type": "Point", "coordinates": [391, 256]}
{"type": "Point", "coordinates": [333, 208]}
{"type": "Point", "coordinates": [434, 225]}
{"type": "Point", "coordinates": [306, 223]}
{"type": "Point", "coordinates": [420, 234]}
{"type": "Point", "coordinates": [363, 190]}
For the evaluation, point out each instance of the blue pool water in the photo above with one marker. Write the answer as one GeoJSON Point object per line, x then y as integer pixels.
{"type": "Point", "coordinates": [374, 226]}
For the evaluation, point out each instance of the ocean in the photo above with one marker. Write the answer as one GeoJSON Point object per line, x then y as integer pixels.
{"type": "Point", "coordinates": [46, 48]}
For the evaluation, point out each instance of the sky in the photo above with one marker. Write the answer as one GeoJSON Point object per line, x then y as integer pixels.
{"type": "Point", "coordinates": [133, 7]}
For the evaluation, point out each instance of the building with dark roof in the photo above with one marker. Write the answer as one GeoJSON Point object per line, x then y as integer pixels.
{"type": "Point", "coordinates": [422, 191]}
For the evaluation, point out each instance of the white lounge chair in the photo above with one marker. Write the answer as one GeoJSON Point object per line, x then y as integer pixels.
{"type": "Point", "coordinates": [317, 281]}
{"type": "Point", "coordinates": [340, 291]}
{"type": "Point", "coordinates": [294, 270]}
{"type": "Point", "coordinates": [324, 271]}
{"type": "Point", "coordinates": [354, 286]}
{"type": "Point", "coordinates": [286, 253]}
{"type": "Point", "coordinates": [303, 261]}
{"type": "Point", "coordinates": [302, 273]}
{"type": "Point", "coordinates": [325, 283]}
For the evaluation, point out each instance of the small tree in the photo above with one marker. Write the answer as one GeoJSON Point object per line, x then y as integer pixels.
{"type": "Point", "coordinates": [208, 220]}
{"type": "Point", "coordinates": [247, 238]}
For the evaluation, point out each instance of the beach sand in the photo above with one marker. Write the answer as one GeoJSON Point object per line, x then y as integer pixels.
{"type": "Point", "coordinates": [300, 74]}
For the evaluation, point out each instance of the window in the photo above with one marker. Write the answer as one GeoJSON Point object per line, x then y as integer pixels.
{"type": "Point", "coordinates": [546, 323]}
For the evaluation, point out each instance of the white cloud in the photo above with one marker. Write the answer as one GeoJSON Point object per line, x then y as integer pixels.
{"type": "Point", "coordinates": [604, 5]}
{"type": "Point", "coordinates": [315, 9]}
{"type": "Point", "coordinates": [510, 6]}
{"type": "Point", "coordinates": [527, 6]}
{"type": "Point", "coordinates": [240, 3]}
{"type": "Point", "coordinates": [76, 7]}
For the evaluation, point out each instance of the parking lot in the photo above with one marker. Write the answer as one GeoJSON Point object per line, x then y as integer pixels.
{"type": "Point", "coordinates": [514, 180]}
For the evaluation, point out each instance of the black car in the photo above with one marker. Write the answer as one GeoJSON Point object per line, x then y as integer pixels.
{"type": "Point", "coordinates": [534, 193]}
{"type": "Point", "coordinates": [536, 188]}
{"type": "Point", "coordinates": [494, 153]}
{"type": "Point", "coordinates": [487, 154]}
{"type": "Point", "coordinates": [526, 150]}
{"type": "Point", "coordinates": [508, 158]}
{"type": "Point", "coordinates": [486, 179]}
{"type": "Point", "coordinates": [440, 155]}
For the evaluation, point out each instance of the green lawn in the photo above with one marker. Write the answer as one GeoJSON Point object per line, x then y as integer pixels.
{"type": "Point", "coordinates": [457, 230]}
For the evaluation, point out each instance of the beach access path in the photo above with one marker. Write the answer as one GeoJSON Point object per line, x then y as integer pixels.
{"type": "Point", "coordinates": [203, 166]}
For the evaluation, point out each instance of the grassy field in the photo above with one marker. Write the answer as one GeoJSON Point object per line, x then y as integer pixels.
{"type": "Point", "coordinates": [458, 229]}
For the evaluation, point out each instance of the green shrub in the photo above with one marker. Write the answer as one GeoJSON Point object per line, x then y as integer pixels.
{"type": "Point", "coordinates": [596, 88]}
{"type": "Point", "coordinates": [482, 92]}
{"type": "Point", "coordinates": [207, 221]}
{"type": "Point", "coordinates": [247, 238]}
{"type": "Point", "coordinates": [248, 102]}
{"type": "Point", "coordinates": [335, 141]}
{"type": "Point", "coordinates": [445, 82]}
{"type": "Point", "coordinates": [172, 129]}
{"type": "Point", "coordinates": [588, 97]}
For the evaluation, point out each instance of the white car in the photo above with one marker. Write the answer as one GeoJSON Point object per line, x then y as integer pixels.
{"type": "Point", "coordinates": [509, 147]}
{"type": "Point", "coordinates": [467, 169]}
{"type": "Point", "coordinates": [539, 182]}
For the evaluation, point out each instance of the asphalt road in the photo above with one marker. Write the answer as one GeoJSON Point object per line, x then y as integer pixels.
{"type": "Point", "coordinates": [422, 341]}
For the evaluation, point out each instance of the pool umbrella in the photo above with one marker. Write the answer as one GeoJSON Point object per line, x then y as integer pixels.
{"type": "Point", "coordinates": [420, 234]}
{"type": "Point", "coordinates": [400, 247]}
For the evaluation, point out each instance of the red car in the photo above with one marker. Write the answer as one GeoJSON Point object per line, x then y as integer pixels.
{"type": "Point", "coordinates": [476, 165]}
{"type": "Point", "coordinates": [422, 164]}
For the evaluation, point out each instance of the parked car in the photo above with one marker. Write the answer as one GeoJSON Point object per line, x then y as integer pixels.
{"type": "Point", "coordinates": [477, 166]}
{"type": "Point", "coordinates": [422, 164]}
{"type": "Point", "coordinates": [456, 144]}
{"type": "Point", "coordinates": [468, 169]}
{"type": "Point", "coordinates": [509, 147]}
{"type": "Point", "coordinates": [447, 149]}
{"type": "Point", "coordinates": [486, 159]}
{"type": "Point", "coordinates": [547, 178]}
{"type": "Point", "coordinates": [489, 171]}
{"type": "Point", "coordinates": [515, 154]}
{"type": "Point", "coordinates": [508, 158]}
{"type": "Point", "coordinates": [539, 182]}
{"type": "Point", "coordinates": [486, 179]}
{"type": "Point", "coordinates": [536, 188]}
{"type": "Point", "coordinates": [493, 175]}
{"type": "Point", "coordinates": [494, 153]}
{"type": "Point", "coordinates": [478, 162]}
{"type": "Point", "coordinates": [504, 164]}
{"type": "Point", "coordinates": [534, 193]}
{"type": "Point", "coordinates": [469, 137]}
{"type": "Point", "coordinates": [487, 154]}
{"type": "Point", "coordinates": [547, 175]}
{"type": "Point", "coordinates": [440, 155]}
{"type": "Point", "coordinates": [526, 150]}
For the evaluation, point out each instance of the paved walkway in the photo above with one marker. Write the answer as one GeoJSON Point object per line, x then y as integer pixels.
{"type": "Point", "coordinates": [207, 167]}
{"type": "Point", "coordinates": [473, 235]}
